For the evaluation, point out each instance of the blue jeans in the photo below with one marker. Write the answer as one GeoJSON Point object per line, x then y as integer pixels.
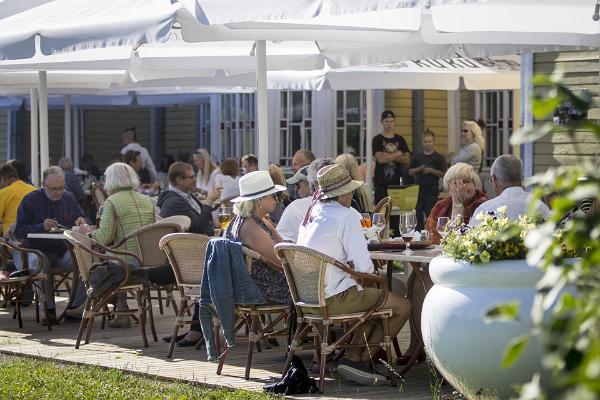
{"type": "Point", "coordinates": [64, 261]}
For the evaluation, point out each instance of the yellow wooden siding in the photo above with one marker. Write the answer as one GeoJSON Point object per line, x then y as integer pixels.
{"type": "Point", "coordinates": [581, 71]}
{"type": "Point", "coordinates": [180, 129]}
{"type": "Point", "coordinates": [400, 102]}
{"type": "Point", "coordinates": [3, 135]}
{"type": "Point", "coordinates": [466, 104]}
{"type": "Point", "coordinates": [103, 127]}
{"type": "Point", "coordinates": [436, 117]}
{"type": "Point", "coordinates": [55, 136]}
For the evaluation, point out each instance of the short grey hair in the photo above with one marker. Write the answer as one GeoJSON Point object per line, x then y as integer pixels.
{"type": "Point", "coordinates": [244, 208]}
{"type": "Point", "coordinates": [507, 168]}
{"type": "Point", "coordinates": [313, 169]}
{"type": "Point", "coordinates": [65, 163]}
{"type": "Point", "coordinates": [53, 170]}
{"type": "Point", "coordinates": [120, 176]}
{"type": "Point", "coordinates": [461, 171]}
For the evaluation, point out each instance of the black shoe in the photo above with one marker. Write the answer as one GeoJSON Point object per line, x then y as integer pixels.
{"type": "Point", "coordinates": [177, 339]}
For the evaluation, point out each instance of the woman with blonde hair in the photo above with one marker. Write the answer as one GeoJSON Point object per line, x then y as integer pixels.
{"type": "Point", "coordinates": [472, 145]}
{"type": "Point", "coordinates": [361, 199]}
{"type": "Point", "coordinates": [464, 196]}
{"type": "Point", "coordinates": [207, 171]}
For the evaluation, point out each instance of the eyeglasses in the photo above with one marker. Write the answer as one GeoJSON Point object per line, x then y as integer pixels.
{"type": "Point", "coordinates": [190, 177]}
{"type": "Point", "coordinates": [464, 130]}
{"type": "Point", "coordinates": [465, 181]}
{"type": "Point", "coordinates": [57, 189]}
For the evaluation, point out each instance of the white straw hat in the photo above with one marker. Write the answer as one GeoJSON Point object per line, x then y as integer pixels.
{"type": "Point", "coordinates": [255, 185]}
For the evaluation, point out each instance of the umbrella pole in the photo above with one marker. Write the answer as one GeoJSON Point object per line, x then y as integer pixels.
{"type": "Point", "coordinates": [261, 101]}
{"type": "Point", "coordinates": [35, 145]}
{"type": "Point", "coordinates": [43, 107]}
{"type": "Point", "coordinates": [68, 136]}
{"type": "Point", "coordinates": [369, 140]}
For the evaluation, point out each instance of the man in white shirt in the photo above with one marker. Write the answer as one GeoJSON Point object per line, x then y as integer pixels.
{"type": "Point", "coordinates": [130, 144]}
{"type": "Point", "coordinates": [507, 180]}
{"type": "Point", "coordinates": [334, 229]}
{"type": "Point", "coordinates": [294, 213]}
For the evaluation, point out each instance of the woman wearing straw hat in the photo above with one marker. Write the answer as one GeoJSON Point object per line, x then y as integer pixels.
{"type": "Point", "coordinates": [252, 227]}
{"type": "Point", "coordinates": [334, 229]}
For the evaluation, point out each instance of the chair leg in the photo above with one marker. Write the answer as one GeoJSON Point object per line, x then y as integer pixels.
{"type": "Point", "coordinates": [388, 350]}
{"type": "Point", "coordinates": [324, 341]}
{"type": "Point", "coordinates": [142, 314]}
{"type": "Point", "coordinates": [148, 303]}
{"type": "Point", "coordinates": [84, 321]}
{"type": "Point", "coordinates": [183, 308]}
{"type": "Point", "coordinates": [301, 331]}
{"type": "Point", "coordinates": [18, 305]}
{"type": "Point", "coordinates": [160, 304]}
{"type": "Point", "coordinates": [251, 341]}
{"type": "Point", "coordinates": [106, 311]}
{"type": "Point", "coordinates": [90, 324]}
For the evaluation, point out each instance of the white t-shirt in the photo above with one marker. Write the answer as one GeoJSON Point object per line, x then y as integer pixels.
{"type": "Point", "coordinates": [230, 186]}
{"type": "Point", "coordinates": [336, 231]}
{"type": "Point", "coordinates": [292, 218]}
{"type": "Point", "coordinates": [210, 185]}
{"type": "Point", "coordinates": [516, 201]}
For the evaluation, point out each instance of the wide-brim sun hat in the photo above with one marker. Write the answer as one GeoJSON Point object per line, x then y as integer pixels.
{"type": "Point", "coordinates": [300, 175]}
{"type": "Point", "coordinates": [335, 181]}
{"type": "Point", "coordinates": [255, 185]}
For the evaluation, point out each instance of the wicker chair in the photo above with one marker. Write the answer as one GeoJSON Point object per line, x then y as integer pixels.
{"type": "Point", "coordinates": [253, 315]}
{"type": "Point", "coordinates": [305, 270]}
{"type": "Point", "coordinates": [99, 195]}
{"type": "Point", "coordinates": [11, 288]}
{"type": "Point", "coordinates": [186, 253]}
{"type": "Point", "coordinates": [150, 255]}
{"type": "Point", "coordinates": [385, 207]}
{"type": "Point", "coordinates": [86, 257]}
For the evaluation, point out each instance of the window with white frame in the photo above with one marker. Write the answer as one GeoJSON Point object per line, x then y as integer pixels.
{"type": "Point", "coordinates": [351, 123]}
{"type": "Point", "coordinates": [495, 107]}
{"type": "Point", "coordinates": [237, 129]}
{"type": "Point", "coordinates": [295, 125]}
{"type": "Point", "coordinates": [204, 126]}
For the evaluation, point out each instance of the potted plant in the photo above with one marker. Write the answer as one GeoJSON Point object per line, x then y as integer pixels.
{"type": "Point", "coordinates": [483, 273]}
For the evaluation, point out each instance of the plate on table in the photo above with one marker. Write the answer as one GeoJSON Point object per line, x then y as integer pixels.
{"type": "Point", "coordinates": [399, 245]}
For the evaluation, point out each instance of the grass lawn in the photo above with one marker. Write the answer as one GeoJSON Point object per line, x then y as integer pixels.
{"type": "Point", "coordinates": [27, 378]}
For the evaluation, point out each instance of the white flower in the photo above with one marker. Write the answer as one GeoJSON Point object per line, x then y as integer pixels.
{"type": "Point", "coordinates": [501, 210]}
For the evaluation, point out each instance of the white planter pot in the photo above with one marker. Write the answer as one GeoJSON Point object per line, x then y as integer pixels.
{"type": "Point", "coordinates": [465, 349]}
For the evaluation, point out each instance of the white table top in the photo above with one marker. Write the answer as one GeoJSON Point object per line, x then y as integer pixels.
{"type": "Point", "coordinates": [46, 235]}
{"type": "Point", "coordinates": [424, 256]}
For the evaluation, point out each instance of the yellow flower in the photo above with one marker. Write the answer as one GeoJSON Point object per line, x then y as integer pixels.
{"type": "Point", "coordinates": [485, 256]}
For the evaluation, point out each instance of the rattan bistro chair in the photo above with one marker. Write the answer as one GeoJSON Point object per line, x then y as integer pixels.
{"type": "Point", "coordinates": [11, 288]}
{"type": "Point", "coordinates": [86, 257]}
{"type": "Point", "coordinates": [150, 255]}
{"type": "Point", "coordinates": [305, 271]}
{"type": "Point", "coordinates": [253, 315]}
{"type": "Point", "coordinates": [186, 253]}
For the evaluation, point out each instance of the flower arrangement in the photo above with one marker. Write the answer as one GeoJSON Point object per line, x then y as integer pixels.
{"type": "Point", "coordinates": [495, 238]}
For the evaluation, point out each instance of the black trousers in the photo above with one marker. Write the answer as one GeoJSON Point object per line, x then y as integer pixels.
{"type": "Point", "coordinates": [428, 196]}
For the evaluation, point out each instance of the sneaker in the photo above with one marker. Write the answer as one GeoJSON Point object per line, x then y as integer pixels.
{"type": "Point", "coordinates": [121, 321]}
{"type": "Point", "coordinates": [360, 373]}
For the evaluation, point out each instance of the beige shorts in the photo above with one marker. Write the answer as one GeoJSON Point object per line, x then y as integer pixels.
{"type": "Point", "coordinates": [350, 301]}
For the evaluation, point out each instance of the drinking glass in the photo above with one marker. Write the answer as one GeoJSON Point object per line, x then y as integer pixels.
{"type": "Point", "coordinates": [379, 222]}
{"type": "Point", "coordinates": [365, 222]}
{"type": "Point", "coordinates": [443, 226]}
{"type": "Point", "coordinates": [225, 216]}
{"type": "Point", "coordinates": [408, 222]}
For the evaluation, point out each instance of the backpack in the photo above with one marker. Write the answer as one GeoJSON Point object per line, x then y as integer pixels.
{"type": "Point", "coordinates": [295, 381]}
{"type": "Point", "coordinates": [107, 275]}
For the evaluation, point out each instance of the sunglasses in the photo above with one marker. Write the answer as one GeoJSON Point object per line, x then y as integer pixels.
{"type": "Point", "coordinates": [464, 130]}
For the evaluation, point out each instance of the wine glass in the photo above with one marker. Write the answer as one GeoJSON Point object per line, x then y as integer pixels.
{"type": "Point", "coordinates": [379, 222]}
{"type": "Point", "coordinates": [408, 222]}
{"type": "Point", "coordinates": [225, 215]}
{"type": "Point", "coordinates": [443, 226]}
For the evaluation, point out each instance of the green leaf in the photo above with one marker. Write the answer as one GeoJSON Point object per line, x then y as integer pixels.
{"type": "Point", "coordinates": [541, 107]}
{"type": "Point", "coordinates": [530, 134]}
{"type": "Point", "coordinates": [514, 349]}
{"type": "Point", "coordinates": [502, 312]}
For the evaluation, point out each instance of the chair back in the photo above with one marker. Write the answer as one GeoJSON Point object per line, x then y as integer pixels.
{"type": "Point", "coordinates": [99, 195]}
{"type": "Point", "coordinates": [82, 249]}
{"type": "Point", "coordinates": [186, 253]}
{"type": "Point", "coordinates": [183, 221]}
{"type": "Point", "coordinates": [405, 197]}
{"type": "Point", "coordinates": [305, 270]}
{"type": "Point", "coordinates": [147, 239]}
{"type": "Point", "coordinates": [384, 207]}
